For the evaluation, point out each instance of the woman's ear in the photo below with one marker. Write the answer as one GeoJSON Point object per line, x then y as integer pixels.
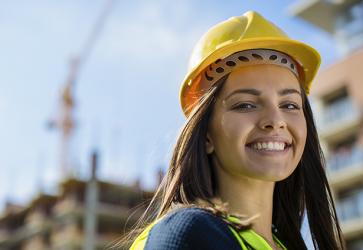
{"type": "Point", "coordinates": [209, 147]}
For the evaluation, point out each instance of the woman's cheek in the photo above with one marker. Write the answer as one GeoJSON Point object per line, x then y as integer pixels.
{"type": "Point", "coordinates": [300, 130]}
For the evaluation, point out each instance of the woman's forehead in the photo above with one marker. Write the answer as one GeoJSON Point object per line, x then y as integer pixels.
{"type": "Point", "coordinates": [264, 77]}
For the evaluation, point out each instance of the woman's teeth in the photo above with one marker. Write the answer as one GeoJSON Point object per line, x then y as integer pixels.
{"type": "Point", "coordinates": [276, 146]}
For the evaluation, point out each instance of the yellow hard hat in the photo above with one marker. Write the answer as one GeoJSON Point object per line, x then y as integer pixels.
{"type": "Point", "coordinates": [249, 31]}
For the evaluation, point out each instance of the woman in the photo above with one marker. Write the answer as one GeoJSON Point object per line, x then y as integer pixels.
{"type": "Point", "coordinates": [247, 163]}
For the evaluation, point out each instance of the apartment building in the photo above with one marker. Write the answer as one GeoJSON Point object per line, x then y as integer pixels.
{"type": "Point", "coordinates": [342, 19]}
{"type": "Point", "coordinates": [337, 97]}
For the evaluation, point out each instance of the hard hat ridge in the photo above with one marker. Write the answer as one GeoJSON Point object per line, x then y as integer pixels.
{"type": "Point", "coordinates": [224, 66]}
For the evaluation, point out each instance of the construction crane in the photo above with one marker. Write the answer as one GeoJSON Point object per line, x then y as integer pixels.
{"type": "Point", "coordinates": [65, 121]}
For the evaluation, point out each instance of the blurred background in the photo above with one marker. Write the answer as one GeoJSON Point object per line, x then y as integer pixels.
{"type": "Point", "coordinates": [89, 108]}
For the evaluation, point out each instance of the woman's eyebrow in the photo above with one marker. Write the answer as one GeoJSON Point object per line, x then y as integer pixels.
{"type": "Point", "coordinates": [256, 92]}
{"type": "Point", "coordinates": [289, 91]}
{"type": "Point", "coordinates": [244, 91]}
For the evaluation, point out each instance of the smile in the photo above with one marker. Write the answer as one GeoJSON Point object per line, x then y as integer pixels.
{"type": "Point", "coordinates": [269, 147]}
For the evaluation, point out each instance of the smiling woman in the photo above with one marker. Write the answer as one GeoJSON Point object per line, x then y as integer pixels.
{"type": "Point", "coordinates": [247, 163]}
{"type": "Point", "coordinates": [257, 129]}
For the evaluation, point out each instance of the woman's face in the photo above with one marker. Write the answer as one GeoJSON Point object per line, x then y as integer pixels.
{"type": "Point", "coordinates": [257, 128]}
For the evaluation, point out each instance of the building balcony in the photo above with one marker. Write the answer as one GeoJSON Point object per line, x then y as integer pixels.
{"type": "Point", "coordinates": [350, 213]}
{"type": "Point", "coordinates": [355, 244]}
{"type": "Point", "coordinates": [353, 228]}
{"type": "Point", "coordinates": [339, 120]}
{"type": "Point", "coordinates": [351, 29]}
{"type": "Point", "coordinates": [320, 13]}
{"type": "Point", "coordinates": [346, 168]}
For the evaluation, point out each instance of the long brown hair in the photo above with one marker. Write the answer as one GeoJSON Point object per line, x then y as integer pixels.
{"type": "Point", "coordinates": [190, 179]}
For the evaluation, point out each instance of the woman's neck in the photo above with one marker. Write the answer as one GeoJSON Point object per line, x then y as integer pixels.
{"type": "Point", "coordinates": [248, 197]}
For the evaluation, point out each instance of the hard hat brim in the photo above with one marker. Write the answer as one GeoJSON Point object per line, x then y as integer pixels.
{"type": "Point", "coordinates": [306, 56]}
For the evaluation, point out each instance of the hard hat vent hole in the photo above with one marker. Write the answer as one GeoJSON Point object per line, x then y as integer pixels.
{"type": "Point", "coordinates": [208, 77]}
{"type": "Point", "coordinates": [220, 70]}
{"type": "Point", "coordinates": [218, 60]}
{"type": "Point", "coordinates": [231, 63]}
{"type": "Point", "coordinates": [292, 66]}
{"type": "Point", "coordinates": [283, 60]}
{"type": "Point", "coordinates": [243, 59]}
{"type": "Point", "coordinates": [273, 57]}
{"type": "Point", "coordinates": [257, 56]}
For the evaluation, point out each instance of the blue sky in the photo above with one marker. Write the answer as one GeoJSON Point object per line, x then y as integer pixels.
{"type": "Point", "coordinates": [127, 91]}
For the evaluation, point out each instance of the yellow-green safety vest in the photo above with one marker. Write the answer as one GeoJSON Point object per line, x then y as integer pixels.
{"type": "Point", "coordinates": [254, 240]}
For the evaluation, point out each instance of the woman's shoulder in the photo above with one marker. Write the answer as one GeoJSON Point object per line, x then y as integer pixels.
{"type": "Point", "coordinates": [189, 219]}
{"type": "Point", "coordinates": [190, 228]}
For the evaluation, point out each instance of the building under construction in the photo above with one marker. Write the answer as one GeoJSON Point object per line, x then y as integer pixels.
{"type": "Point", "coordinates": [338, 98]}
{"type": "Point", "coordinates": [89, 214]}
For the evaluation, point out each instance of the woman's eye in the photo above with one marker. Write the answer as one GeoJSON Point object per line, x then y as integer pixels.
{"type": "Point", "coordinates": [244, 106]}
{"type": "Point", "coordinates": [291, 106]}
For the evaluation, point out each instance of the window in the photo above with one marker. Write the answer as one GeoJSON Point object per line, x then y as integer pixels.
{"type": "Point", "coordinates": [350, 203]}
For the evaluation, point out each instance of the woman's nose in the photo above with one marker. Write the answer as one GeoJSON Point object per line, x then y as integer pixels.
{"type": "Point", "coordinates": [272, 119]}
